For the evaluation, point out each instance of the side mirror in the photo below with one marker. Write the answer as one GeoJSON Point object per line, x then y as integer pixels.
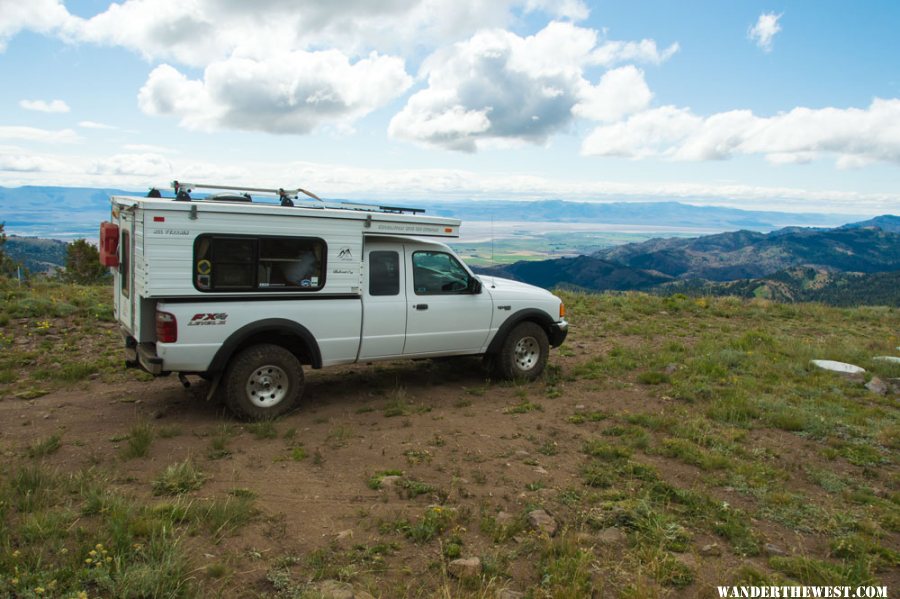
{"type": "Point", "coordinates": [474, 286]}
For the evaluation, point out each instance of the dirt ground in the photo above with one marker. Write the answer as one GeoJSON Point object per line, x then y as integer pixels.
{"type": "Point", "coordinates": [440, 423]}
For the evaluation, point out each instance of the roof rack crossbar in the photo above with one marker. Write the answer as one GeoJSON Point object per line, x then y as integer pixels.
{"type": "Point", "coordinates": [176, 185]}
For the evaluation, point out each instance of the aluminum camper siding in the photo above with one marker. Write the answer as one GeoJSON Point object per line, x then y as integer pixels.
{"type": "Point", "coordinates": [164, 266]}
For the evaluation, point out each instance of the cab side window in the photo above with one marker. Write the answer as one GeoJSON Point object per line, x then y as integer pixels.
{"type": "Point", "coordinates": [436, 273]}
{"type": "Point", "coordinates": [384, 273]}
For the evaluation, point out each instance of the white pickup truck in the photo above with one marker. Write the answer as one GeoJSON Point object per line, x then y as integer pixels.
{"type": "Point", "coordinates": [244, 293]}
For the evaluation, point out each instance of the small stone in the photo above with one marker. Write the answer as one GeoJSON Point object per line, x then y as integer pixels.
{"type": "Point", "coordinates": [542, 521]}
{"type": "Point", "coordinates": [876, 385]}
{"type": "Point", "coordinates": [390, 482]}
{"type": "Point", "coordinates": [335, 589]}
{"type": "Point", "coordinates": [711, 550]}
{"type": "Point", "coordinates": [509, 594]}
{"type": "Point", "coordinates": [344, 534]}
{"type": "Point", "coordinates": [504, 519]}
{"type": "Point", "coordinates": [774, 550]}
{"type": "Point", "coordinates": [522, 453]}
{"type": "Point", "coordinates": [540, 470]}
{"type": "Point", "coordinates": [671, 369]}
{"type": "Point", "coordinates": [580, 407]}
{"type": "Point", "coordinates": [469, 567]}
{"type": "Point", "coordinates": [612, 537]}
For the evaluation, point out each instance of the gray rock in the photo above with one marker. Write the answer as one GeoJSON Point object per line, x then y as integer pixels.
{"type": "Point", "coordinates": [543, 522]}
{"type": "Point", "coordinates": [465, 567]}
{"type": "Point", "coordinates": [504, 518]}
{"type": "Point", "coordinates": [612, 537]}
{"type": "Point", "coordinates": [671, 369]}
{"type": "Point", "coordinates": [344, 534]}
{"type": "Point", "coordinates": [876, 385]}
{"type": "Point", "coordinates": [774, 550]}
{"type": "Point", "coordinates": [390, 482]}
{"type": "Point", "coordinates": [711, 550]}
{"type": "Point", "coordinates": [335, 589]}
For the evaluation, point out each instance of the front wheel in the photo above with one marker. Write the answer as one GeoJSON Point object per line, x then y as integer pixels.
{"type": "Point", "coordinates": [524, 353]}
{"type": "Point", "coordinates": [263, 382]}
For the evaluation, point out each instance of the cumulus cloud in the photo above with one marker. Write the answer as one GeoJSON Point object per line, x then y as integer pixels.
{"type": "Point", "coordinates": [145, 164]}
{"type": "Point", "coordinates": [498, 86]}
{"type": "Point", "coordinates": [854, 136]}
{"type": "Point", "coordinates": [616, 52]}
{"type": "Point", "coordinates": [43, 16]}
{"type": "Point", "coordinates": [292, 92]}
{"type": "Point", "coordinates": [95, 125]}
{"type": "Point", "coordinates": [197, 32]}
{"type": "Point", "coordinates": [44, 106]}
{"type": "Point", "coordinates": [18, 133]}
{"type": "Point", "coordinates": [763, 32]}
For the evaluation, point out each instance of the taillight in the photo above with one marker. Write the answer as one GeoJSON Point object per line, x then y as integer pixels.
{"type": "Point", "coordinates": [562, 310]}
{"type": "Point", "coordinates": [109, 244]}
{"type": "Point", "coordinates": [166, 327]}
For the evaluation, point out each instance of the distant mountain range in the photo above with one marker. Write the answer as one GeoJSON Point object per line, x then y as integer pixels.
{"type": "Point", "coordinates": [70, 212]}
{"type": "Point", "coordinates": [803, 284]}
{"type": "Point", "coordinates": [859, 262]}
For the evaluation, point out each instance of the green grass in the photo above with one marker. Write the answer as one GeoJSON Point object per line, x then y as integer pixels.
{"type": "Point", "coordinates": [44, 447]}
{"type": "Point", "coordinates": [178, 479]}
{"type": "Point", "coordinates": [139, 440]}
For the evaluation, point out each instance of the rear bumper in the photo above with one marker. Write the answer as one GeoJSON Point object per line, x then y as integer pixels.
{"type": "Point", "coordinates": [142, 355]}
{"type": "Point", "coordinates": [557, 332]}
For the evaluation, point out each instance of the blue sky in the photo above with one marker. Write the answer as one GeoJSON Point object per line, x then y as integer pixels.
{"type": "Point", "coordinates": [786, 105]}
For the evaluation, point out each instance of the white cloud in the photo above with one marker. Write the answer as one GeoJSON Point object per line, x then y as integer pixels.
{"type": "Point", "coordinates": [29, 163]}
{"type": "Point", "coordinates": [44, 106]}
{"type": "Point", "coordinates": [43, 16]}
{"type": "Point", "coordinates": [149, 148]}
{"type": "Point", "coordinates": [94, 125]}
{"type": "Point", "coordinates": [145, 165]}
{"type": "Point", "coordinates": [500, 87]}
{"type": "Point", "coordinates": [763, 32]}
{"type": "Point", "coordinates": [645, 51]}
{"type": "Point", "coordinates": [283, 93]}
{"type": "Point", "coordinates": [854, 136]}
{"type": "Point", "coordinates": [619, 93]}
{"type": "Point", "coordinates": [19, 133]}
{"type": "Point", "coordinates": [197, 32]}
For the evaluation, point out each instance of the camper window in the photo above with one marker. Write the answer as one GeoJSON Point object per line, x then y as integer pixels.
{"type": "Point", "coordinates": [245, 263]}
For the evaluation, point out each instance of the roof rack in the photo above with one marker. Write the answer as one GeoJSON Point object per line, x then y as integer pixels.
{"type": "Point", "coordinates": [287, 197]}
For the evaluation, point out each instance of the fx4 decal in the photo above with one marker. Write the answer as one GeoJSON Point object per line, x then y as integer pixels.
{"type": "Point", "coordinates": [208, 319]}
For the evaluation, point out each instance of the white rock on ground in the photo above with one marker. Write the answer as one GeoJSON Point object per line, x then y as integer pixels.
{"type": "Point", "coordinates": [841, 367]}
{"type": "Point", "coordinates": [465, 568]}
{"type": "Point", "coordinates": [893, 359]}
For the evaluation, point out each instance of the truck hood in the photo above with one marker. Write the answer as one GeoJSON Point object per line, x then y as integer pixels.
{"type": "Point", "coordinates": [501, 288]}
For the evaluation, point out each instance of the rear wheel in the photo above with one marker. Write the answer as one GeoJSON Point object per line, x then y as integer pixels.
{"type": "Point", "coordinates": [263, 382]}
{"type": "Point", "coordinates": [523, 354]}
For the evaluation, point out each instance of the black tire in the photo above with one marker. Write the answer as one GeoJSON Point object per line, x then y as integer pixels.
{"type": "Point", "coordinates": [263, 382]}
{"type": "Point", "coordinates": [523, 355]}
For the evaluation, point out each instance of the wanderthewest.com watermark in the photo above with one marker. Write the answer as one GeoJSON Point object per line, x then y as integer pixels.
{"type": "Point", "coordinates": [786, 592]}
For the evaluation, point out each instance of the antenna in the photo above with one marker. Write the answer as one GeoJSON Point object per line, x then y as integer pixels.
{"type": "Point", "coordinates": [492, 238]}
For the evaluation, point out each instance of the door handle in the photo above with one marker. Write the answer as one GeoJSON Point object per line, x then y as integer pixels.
{"type": "Point", "coordinates": [420, 306]}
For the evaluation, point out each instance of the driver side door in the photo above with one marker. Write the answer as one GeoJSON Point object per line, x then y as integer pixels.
{"type": "Point", "coordinates": [444, 314]}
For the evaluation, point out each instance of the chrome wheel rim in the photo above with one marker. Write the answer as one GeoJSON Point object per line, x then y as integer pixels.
{"type": "Point", "coordinates": [267, 386]}
{"type": "Point", "coordinates": [527, 353]}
